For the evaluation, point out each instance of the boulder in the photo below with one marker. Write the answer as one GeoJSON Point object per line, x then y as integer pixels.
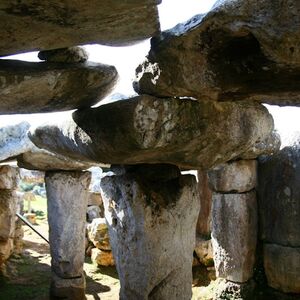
{"type": "Point", "coordinates": [282, 267]}
{"type": "Point", "coordinates": [152, 234]}
{"type": "Point", "coordinates": [145, 129]}
{"type": "Point", "coordinates": [67, 193]}
{"type": "Point", "coordinates": [6, 249]}
{"type": "Point", "coordinates": [98, 234]}
{"type": "Point", "coordinates": [28, 26]}
{"type": "Point", "coordinates": [14, 140]}
{"type": "Point", "coordinates": [31, 87]}
{"type": "Point", "coordinates": [95, 199]}
{"type": "Point", "coordinates": [242, 49]}
{"type": "Point", "coordinates": [93, 212]}
{"type": "Point", "coordinates": [204, 251]}
{"type": "Point", "coordinates": [102, 257]}
{"type": "Point", "coordinates": [234, 234]}
{"type": "Point", "coordinates": [236, 176]}
{"type": "Point", "coordinates": [279, 197]}
{"type": "Point", "coordinates": [64, 55]}
{"type": "Point", "coordinates": [9, 177]}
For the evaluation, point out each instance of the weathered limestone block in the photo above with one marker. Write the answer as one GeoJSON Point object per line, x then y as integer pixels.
{"type": "Point", "coordinates": [152, 233]}
{"type": "Point", "coordinates": [234, 234]}
{"type": "Point", "coordinates": [145, 129]}
{"type": "Point", "coordinates": [98, 234]}
{"type": "Point", "coordinates": [6, 249]}
{"type": "Point", "coordinates": [236, 176]}
{"type": "Point", "coordinates": [52, 24]}
{"type": "Point", "coordinates": [95, 199]}
{"type": "Point", "coordinates": [67, 288]}
{"type": "Point", "coordinates": [204, 218]}
{"type": "Point", "coordinates": [92, 212]}
{"type": "Point", "coordinates": [241, 49]}
{"type": "Point", "coordinates": [102, 257]}
{"type": "Point", "coordinates": [8, 210]}
{"type": "Point", "coordinates": [14, 140]}
{"type": "Point", "coordinates": [9, 177]}
{"type": "Point", "coordinates": [279, 197]}
{"type": "Point", "coordinates": [67, 194]}
{"type": "Point", "coordinates": [282, 267]}
{"type": "Point", "coordinates": [64, 55]}
{"type": "Point", "coordinates": [204, 251]}
{"type": "Point", "coordinates": [30, 87]}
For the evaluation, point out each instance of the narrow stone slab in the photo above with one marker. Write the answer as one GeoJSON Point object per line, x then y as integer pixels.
{"type": "Point", "coordinates": [282, 267]}
{"type": "Point", "coordinates": [237, 176]}
{"type": "Point", "coordinates": [27, 26]}
{"type": "Point", "coordinates": [28, 87]}
{"type": "Point", "coordinates": [234, 235]}
{"type": "Point", "coordinates": [145, 129]}
{"type": "Point", "coordinates": [239, 50]}
{"type": "Point", "coordinates": [152, 227]}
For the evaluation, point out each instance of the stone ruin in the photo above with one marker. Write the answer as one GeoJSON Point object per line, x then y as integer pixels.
{"type": "Point", "coordinates": [199, 107]}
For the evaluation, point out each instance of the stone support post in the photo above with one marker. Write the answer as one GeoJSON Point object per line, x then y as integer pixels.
{"type": "Point", "coordinates": [67, 194]}
{"type": "Point", "coordinates": [152, 214]}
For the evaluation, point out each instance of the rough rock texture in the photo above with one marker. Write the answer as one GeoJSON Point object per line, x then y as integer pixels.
{"type": "Point", "coordinates": [95, 199]}
{"type": "Point", "coordinates": [102, 257]}
{"type": "Point", "coordinates": [145, 129]}
{"type": "Point", "coordinates": [204, 218]}
{"type": "Point", "coordinates": [8, 208]}
{"type": "Point", "coordinates": [64, 55]}
{"type": "Point", "coordinates": [14, 140]}
{"type": "Point", "coordinates": [268, 146]}
{"type": "Point", "coordinates": [28, 87]}
{"type": "Point", "coordinates": [152, 233]}
{"type": "Point", "coordinates": [98, 234]}
{"type": "Point", "coordinates": [282, 267]}
{"type": "Point", "coordinates": [42, 160]}
{"type": "Point", "coordinates": [6, 249]}
{"type": "Point", "coordinates": [279, 197]}
{"type": "Point", "coordinates": [31, 25]}
{"type": "Point", "coordinates": [9, 177]}
{"type": "Point", "coordinates": [93, 212]}
{"type": "Point", "coordinates": [67, 201]}
{"type": "Point", "coordinates": [242, 49]}
{"type": "Point", "coordinates": [237, 176]}
{"type": "Point", "coordinates": [204, 251]}
{"type": "Point", "coordinates": [234, 234]}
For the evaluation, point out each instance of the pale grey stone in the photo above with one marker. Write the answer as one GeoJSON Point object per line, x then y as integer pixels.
{"type": "Point", "coordinates": [152, 233]}
{"type": "Point", "coordinates": [234, 235]}
{"type": "Point", "coordinates": [145, 129]}
{"type": "Point", "coordinates": [236, 176]}
{"type": "Point", "coordinates": [67, 194]}
{"type": "Point", "coordinates": [282, 267]}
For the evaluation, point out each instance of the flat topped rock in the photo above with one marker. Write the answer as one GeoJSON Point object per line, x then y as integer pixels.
{"type": "Point", "coordinates": [28, 87]}
{"type": "Point", "coordinates": [145, 129]}
{"type": "Point", "coordinates": [242, 49]}
{"type": "Point", "coordinates": [31, 25]}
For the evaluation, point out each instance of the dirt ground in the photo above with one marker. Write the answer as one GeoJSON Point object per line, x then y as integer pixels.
{"type": "Point", "coordinates": [28, 275]}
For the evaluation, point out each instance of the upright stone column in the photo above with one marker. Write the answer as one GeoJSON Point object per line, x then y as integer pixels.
{"type": "Point", "coordinates": [152, 212]}
{"type": "Point", "coordinates": [67, 193]}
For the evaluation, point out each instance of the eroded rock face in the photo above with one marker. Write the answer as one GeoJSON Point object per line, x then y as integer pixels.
{"type": "Point", "coordinates": [282, 267]}
{"type": "Point", "coordinates": [152, 233]}
{"type": "Point", "coordinates": [64, 55]}
{"type": "Point", "coordinates": [279, 197]}
{"type": "Point", "coordinates": [145, 129]}
{"type": "Point", "coordinates": [28, 87]}
{"type": "Point", "coordinates": [29, 25]}
{"type": "Point", "coordinates": [234, 234]}
{"type": "Point", "coordinates": [9, 177]}
{"type": "Point", "coordinates": [241, 49]}
{"type": "Point", "coordinates": [237, 176]}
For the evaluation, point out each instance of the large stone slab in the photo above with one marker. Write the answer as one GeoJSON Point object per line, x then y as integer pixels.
{"type": "Point", "coordinates": [9, 177]}
{"type": "Point", "coordinates": [67, 194]}
{"type": "Point", "coordinates": [234, 234]}
{"type": "Point", "coordinates": [236, 176]}
{"type": "Point", "coordinates": [279, 197]}
{"type": "Point", "coordinates": [145, 129]}
{"type": "Point", "coordinates": [152, 227]}
{"type": "Point", "coordinates": [282, 267]}
{"type": "Point", "coordinates": [29, 87]}
{"type": "Point", "coordinates": [242, 49]}
{"type": "Point", "coordinates": [28, 25]}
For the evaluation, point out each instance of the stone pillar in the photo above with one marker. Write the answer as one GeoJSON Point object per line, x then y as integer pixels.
{"type": "Point", "coordinates": [234, 220]}
{"type": "Point", "coordinates": [152, 211]}
{"type": "Point", "coordinates": [8, 209]}
{"type": "Point", "coordinates": [67, 194]}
